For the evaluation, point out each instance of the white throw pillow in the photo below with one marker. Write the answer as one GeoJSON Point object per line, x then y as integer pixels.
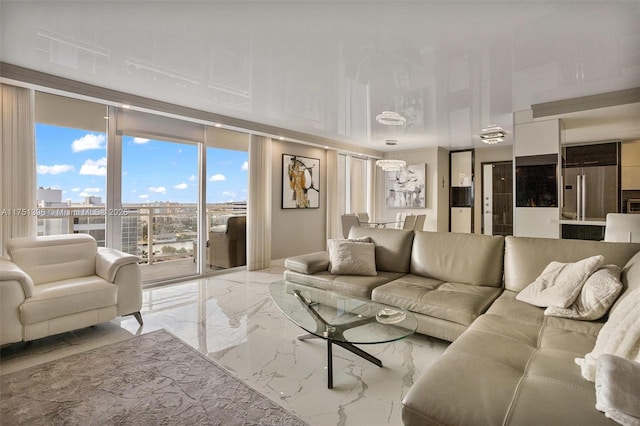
{"type": "Point", "coordinates": [620, 335]}
{"type": "Point", "coordinates": [596, 297]}
{"type": "Point", "coordinates": [352, 258]}
{"type": "Point", "coordinates": [560, 283]}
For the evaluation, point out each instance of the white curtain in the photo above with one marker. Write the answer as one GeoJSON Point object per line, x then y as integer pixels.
{"type": "Point", "coordinates": [371, 188]}
{"type": "Point", "coordinates": [333, 196]}
{"type": "Point", "coordinates": [17, 164]}
{"type": "Point", "coordinates": [259, 204]}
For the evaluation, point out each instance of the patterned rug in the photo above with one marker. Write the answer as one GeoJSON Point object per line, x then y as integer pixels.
{"type": "Point", "coordinates": [153, 379]}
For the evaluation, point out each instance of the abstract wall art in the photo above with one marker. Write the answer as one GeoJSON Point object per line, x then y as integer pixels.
{"type": "Point", "coordinates": [406, 188]}
{"type": "Point", "coordinates": [300, 182]}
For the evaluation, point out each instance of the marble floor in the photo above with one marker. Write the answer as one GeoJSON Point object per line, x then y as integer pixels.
{"type": "Point", "coordinates": [231, 319]}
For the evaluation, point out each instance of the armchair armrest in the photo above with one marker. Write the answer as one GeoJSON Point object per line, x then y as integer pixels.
{"type": "Point", "coordinates": [308, 263]}
{"type": "Point", "coordinates": [9, 271]}
{"type": "Point", "coordinates": [108, 261]}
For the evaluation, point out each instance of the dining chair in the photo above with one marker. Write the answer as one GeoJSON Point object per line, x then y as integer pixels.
{"type": "Point", "coordinates": [348, 220]}
{"type": "Point", "coordinates": [420, 219]}
{"type": "Point", "coordinates": [400, 219]}
{"type": "Point", "coordinates": [622, 227]}
{"type": "Point", "coordinates": [363, 217]}
{"type": "Point", "coordinates": [409, 222]}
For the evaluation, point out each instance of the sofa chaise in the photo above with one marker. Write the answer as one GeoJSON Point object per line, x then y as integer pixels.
{"type": "Point", "coordinates": [58, 283]}
{"type": "Point", "coordinates": [509, 363]}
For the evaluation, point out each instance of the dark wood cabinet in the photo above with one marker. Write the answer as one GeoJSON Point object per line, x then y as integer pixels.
{"type": "Point", "coordinates": [602, 154]}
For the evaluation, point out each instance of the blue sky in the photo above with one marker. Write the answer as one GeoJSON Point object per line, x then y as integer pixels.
{"type": "Point", "coordinates": [74, 161]}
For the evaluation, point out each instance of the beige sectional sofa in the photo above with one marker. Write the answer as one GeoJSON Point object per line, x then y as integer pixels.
{"type": "Point", "coordinates": [508, 363]}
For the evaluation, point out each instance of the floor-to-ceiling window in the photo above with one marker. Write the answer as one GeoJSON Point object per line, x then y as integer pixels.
{"type": "Point", "coordinates": [136, 182]}
{"type": "Point", "coordinates": [160, 195]}
{"type": "Point", "coordinates": [353, 181]}
{"type": "Point", "coordinates": [71, 168]}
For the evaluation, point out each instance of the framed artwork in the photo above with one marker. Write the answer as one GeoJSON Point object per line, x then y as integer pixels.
{"type": "Point", "coordinates": [300, 182]}
{"type": "Point", "coordinates": [406, 188]}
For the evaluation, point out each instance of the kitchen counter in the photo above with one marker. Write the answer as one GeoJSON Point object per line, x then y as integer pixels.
{"type": "Point", "coordinates": [592, 222]}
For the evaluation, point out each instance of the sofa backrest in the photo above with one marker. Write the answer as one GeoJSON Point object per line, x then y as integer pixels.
{"type": "Point", "coordinates": [55, 257]}
{"type": "Point", "coordinates": [525, 257]}
{"type": "Point", "coordinates": [392, 246]}
{"type": "Point", "coordinates": [471, 259]}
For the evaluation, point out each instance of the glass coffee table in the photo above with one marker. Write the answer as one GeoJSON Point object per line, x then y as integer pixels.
{"type": "Point", "coordinates": [341, 320]}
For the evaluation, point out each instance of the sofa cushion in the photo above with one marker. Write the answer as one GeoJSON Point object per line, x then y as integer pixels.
{"type": "Point", "coordinates": [392, 247]}
{"type": "Point", "coordinates": [509, 371]}
{"type": "Point", "coordinates": [66, 297]}
{"type": "Point", "coordinates": [560, 283]}
{"type": "Point", "coordinates": [352, 258]}
{"type": "Point", "coordinates": [308, 263]}
{"type": "Point", "coordinates": [525, 258]}
{"type": "Point", "coordinates": [598, 293]}
{"type": "Point", "coordinates": [459, 303]}
{"type": "Point", "coordinates": [55, 257]}
{"type": "Point", "coordinates": [462, 258]}
{"type": "Point", "coordinates": [352, 285]}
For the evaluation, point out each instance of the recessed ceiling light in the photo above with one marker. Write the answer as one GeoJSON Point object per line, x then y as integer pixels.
{"type": "Point", "coordinates": [126, 106]}
{"type": "Point", "coordinates": [218, 125]}
{"type": "Point", "coordinates": [391, 142]}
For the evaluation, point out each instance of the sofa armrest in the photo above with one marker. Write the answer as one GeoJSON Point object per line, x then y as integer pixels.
{"type": "Point", "coordinates": [308, 263]}
{"type": "Point", "coordinates": [109, 261]}
{"type": "Point", "coordinates": [9, 271]}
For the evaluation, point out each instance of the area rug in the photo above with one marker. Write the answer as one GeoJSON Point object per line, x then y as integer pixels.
{"type": "Point", "coordinates": [152, 379]}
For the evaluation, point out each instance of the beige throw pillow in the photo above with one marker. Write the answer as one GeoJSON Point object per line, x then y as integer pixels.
{"type": "Point", "coordinates": [596, 297]}
{"type": "Point", "coordinates": [560, 283]}
{"type": "Point", "coordinates": [352, 258]}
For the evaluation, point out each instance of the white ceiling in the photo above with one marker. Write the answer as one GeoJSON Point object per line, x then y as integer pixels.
{"type": "Point", "coordinates": [328, 68]}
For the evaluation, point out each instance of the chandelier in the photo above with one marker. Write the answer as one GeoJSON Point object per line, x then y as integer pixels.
{"type": "Point", "coordinates": [492, 134]}
{"type": "Point", "coordinates": [391, 165]}
{"type": "Point", "coordinates": [390, 118]}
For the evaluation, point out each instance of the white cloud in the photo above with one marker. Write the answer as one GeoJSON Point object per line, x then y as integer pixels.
{"type": "Point", "coordinates": [89, 141]}
{"type": "Point", "coordinates": [92, 190]}
{"type": "Point", "coordinates": [143, 196]}
{"type": "Point", "coordinates": [229, 194]}
{"type": "Point", "coordinates": [245, 165]}
{"type": "Point", "coordinates": [217, 178]}
{"type": "Point", "coordinates": [54, 170]}
{"type": "Point", "coordinates": [96, 168]}
{"type": "Point", "coordinates": [192, 178]}
{"type": "Point", "coordinates": [157, 189]}
{"type": "Point", "coordinates": [75, 189]}
{"type": "Point", "coordinates": [84, 194]}
{"type": "Point", "coordinates": [140, 141]}
{"type": "Point", "coordinates": [180, 186]}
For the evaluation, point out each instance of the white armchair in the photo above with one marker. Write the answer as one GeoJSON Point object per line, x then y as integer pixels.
{"type": "Point", "coordinates": [59, 283]}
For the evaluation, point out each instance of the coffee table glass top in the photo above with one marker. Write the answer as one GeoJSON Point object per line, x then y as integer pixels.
{"type": "Point", "coordinates": [341, 318]}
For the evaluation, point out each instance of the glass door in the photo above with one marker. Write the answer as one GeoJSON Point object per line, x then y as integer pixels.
{"type": "Point", "coordinates": [160, 195]}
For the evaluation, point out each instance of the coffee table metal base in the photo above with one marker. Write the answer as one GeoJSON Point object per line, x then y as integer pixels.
{"type": "Point", "coordinates": [348, 346]}
{"type": "Point", "coordinates": [328, 331]}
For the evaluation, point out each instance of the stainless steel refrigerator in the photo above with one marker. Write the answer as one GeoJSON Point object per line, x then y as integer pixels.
{"type": "Point", "coordinates": [590, 192]}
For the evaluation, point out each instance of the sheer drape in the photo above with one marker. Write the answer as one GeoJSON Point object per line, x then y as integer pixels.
{"type": "Point", "coordinates": [259, 204]}
{"type": "Point", "coordinates": [17, 164]}
{"type": "Point", "coordinates": [371, 188]}
{"type": "Point", "coordinates": [333, 196]}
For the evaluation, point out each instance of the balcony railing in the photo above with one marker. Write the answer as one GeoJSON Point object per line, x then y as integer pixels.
{"type": "Point", "coordinates": [172, 234]}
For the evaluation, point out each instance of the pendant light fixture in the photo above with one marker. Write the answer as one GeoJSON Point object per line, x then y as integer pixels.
{"type": "Point", "coordinates": [391, 165]}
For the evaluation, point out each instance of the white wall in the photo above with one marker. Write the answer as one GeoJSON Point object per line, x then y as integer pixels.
{"type": "Point", "coordinates": [296, 231]}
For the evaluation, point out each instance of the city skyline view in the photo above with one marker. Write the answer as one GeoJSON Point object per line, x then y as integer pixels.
{"type": "Point", "coordinates": [75, 162]}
